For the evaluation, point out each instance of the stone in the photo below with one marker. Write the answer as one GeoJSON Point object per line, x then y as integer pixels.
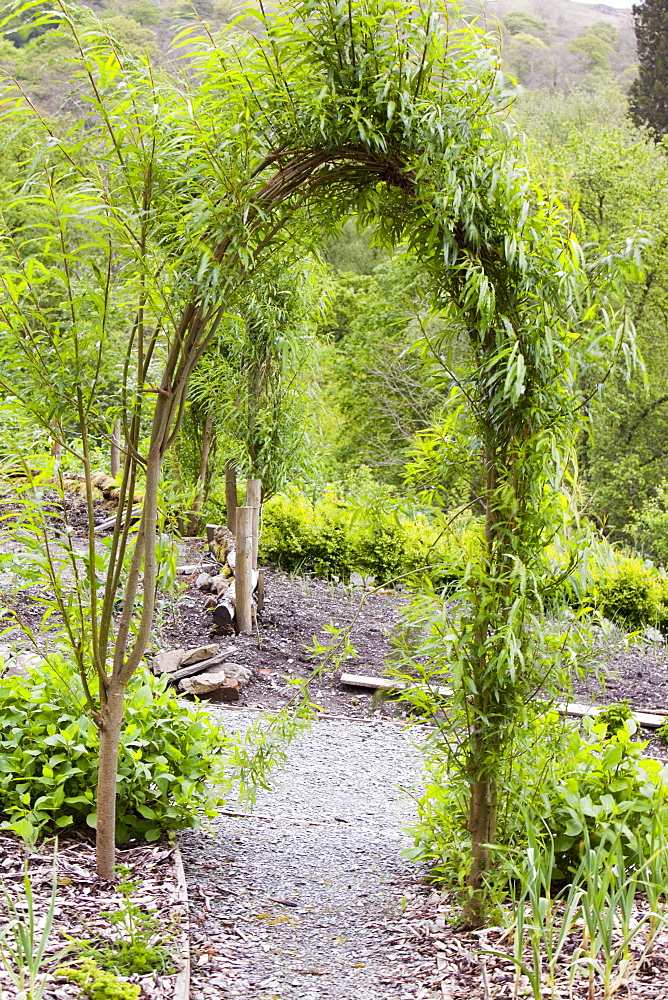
{"type": "Point", "coordinates": [18, 664]}
{"type": "Point", "coordinates": [219, 584]}
{"type": "Point", "coordinates": [653, 635]}
{"type": "Point", "coordinates": [239, 672]}
{"type": "Point", "coordinates": [186, 570]}
{"type": "Point", "coordinates": [201, 666]}
{"type": "Point", "coordinates": [168, 661]}
{"type": "Point", "coordinates": [210, 681]}
{"type": "Point", "coordinates": [199, 653]}
{"type": "Point", "coordinates": [203, 581]}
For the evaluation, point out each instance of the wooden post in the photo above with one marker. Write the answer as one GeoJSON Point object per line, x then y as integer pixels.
{"type": "Point", "coordinates": [231, 495]}
{"type": "Point", "coordinates": [243, 570]}
{"type": "Point", "coordinates": [115, 458]}
{"type": "Point", "coordinates": [254, 500]}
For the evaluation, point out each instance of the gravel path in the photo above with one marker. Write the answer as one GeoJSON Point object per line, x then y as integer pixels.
{"type": "Point", "coordinates": [316, 902]}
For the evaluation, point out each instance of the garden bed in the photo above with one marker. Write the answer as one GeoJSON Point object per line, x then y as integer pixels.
{"type": "Point", "coordinates": [80, 917]}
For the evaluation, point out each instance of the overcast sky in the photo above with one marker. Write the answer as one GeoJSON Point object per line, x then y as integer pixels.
{"type": "Point", "coordinates": [613, 3]}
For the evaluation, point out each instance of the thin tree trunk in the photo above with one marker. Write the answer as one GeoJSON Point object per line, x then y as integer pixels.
{"type": "Point", "coordinates": [109, 725]}
{"type": "Point", "coordinates": [231, 495]}
{"type": "Point", "coordinates": [207, 438]}
{"type": "Point", "coordinates": [115, 456]}
{"type": "Point", "coordinates": [482, 828]}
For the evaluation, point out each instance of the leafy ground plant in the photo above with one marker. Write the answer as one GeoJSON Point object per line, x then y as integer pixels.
{"type": "Point", "coordinates": [591, 932]}
{"type": "Point", "coordinates": [141, 944]}
{"type": "Point", "coordinates": [170, 769]}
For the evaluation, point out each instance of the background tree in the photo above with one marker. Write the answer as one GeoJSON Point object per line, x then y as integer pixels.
{"type": "Point", "coordinates": [617, 178]}
{"type": "Point", "coordinates": [649, 93]}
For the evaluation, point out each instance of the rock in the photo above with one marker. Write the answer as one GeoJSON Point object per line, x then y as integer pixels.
{"type": "Point", "coordinates": [219, 584]}
{"type": "Point", "coordinates": [199, 653]}
{"type": "Point", "coordinates": [186, 570]}
{"type": "Point", "coordinates": [203, 581]}
{"type": "Point", "coordinates": [238, 672]}
{"type": "Point", "coordinates": [168, 661]}
{"type": "Point", "coordinates": [210, 681]}
{"type": "Point", "coordinates": [228, 692]}
{"type": "Point", "coordinates": [18, 664]}
{"type": "Point", "coordinates": [653, 635]}
{"type": "Point", "coordinates": [227, 571]}
{"type": "Point", "coordinates": [202, 665]}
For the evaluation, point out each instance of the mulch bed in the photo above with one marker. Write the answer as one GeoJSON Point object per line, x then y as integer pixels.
{"type": "Point", "coordinates": [81, 900]}
{"type": "Point", "coordinates": [468, 973]}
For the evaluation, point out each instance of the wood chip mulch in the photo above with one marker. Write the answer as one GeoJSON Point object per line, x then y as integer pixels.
{"type": "Point", "coordinates": [81, 899]}
{"type": "Point", "coordinates": [468, 972]}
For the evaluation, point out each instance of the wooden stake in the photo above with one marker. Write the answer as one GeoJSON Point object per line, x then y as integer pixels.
{"type": "Point", "coordinates": [231, 494]}
{"type": "Point", "coordinates": [243, 574]}
{"type": "Point", "coordinates": [115, 457]}
{"type": "Point", "coordinates": [254, 500]}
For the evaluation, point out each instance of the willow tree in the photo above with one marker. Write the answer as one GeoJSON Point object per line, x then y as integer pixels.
{"type": "Point", "coordinates": [177, 194]}
{"type": "Point", "coordinates": [252, 396]}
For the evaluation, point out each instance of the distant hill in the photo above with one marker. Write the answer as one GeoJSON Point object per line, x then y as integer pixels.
{"type": "Point", "coordinates": [558, 44]}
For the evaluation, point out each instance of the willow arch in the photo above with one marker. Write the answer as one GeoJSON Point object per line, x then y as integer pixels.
{"type": "Point", "coordinates": [392, 111]}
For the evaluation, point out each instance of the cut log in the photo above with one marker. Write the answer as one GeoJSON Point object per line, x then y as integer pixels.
{"type": "Point", "coordinates": [203, 665]}
{"type": "Point", "coordinates": [226, 608]}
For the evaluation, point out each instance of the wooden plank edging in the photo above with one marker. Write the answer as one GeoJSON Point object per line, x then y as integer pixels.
{"type": "Point", "coordinates": [649, 720]}
{"type": "Point", "coordinates": [182, 981]}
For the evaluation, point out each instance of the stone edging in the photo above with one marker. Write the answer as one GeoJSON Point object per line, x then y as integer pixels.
{"type": "Point", "coordinates": [182, 982]}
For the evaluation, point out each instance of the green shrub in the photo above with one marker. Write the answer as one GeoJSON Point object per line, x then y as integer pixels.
{"type": "Point", "coordinates": [633, 595]}
{"type": "Point", "coordinates": [615, 717]}
{"type": "Point", "coordinates": [565, 779]}
{"type": "Point", "coordinates": [334, 537]}
{"type": "Point", "coordinates": [169, 756]}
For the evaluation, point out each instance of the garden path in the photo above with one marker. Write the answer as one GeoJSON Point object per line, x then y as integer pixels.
{"type": "Point", "coordinates": [316, 903]}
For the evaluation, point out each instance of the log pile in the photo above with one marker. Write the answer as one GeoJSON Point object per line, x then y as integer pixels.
{"type": "Point", "coordinates": [203, 670]}
{"type": "Point", "coordinates": [221, 583]}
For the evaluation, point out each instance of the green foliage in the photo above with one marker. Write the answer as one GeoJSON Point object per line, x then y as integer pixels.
{"type": "Point", "coordinates": [569, 786]}
{"type": "Point", "coordinates": [367, 533]}
{"type": "Point", "coordinates": [633, 595]}
{"type": "Point", "coordinates": [519, 21]}
{"type": "Point", "coordinates": [98, 984]}
{"type": "Point", "coordinates": [379, 386]}
{"type": "Point", "coordinates": [617, 178]}
{"type": "Point", "coordinates": [170, 756]}
{"type": "Point", "coordinates": [139, 947]}
{"type": "Point", "coordinates": [649, 527]}
{"type": "Point", "coordinates": [615, 716]}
